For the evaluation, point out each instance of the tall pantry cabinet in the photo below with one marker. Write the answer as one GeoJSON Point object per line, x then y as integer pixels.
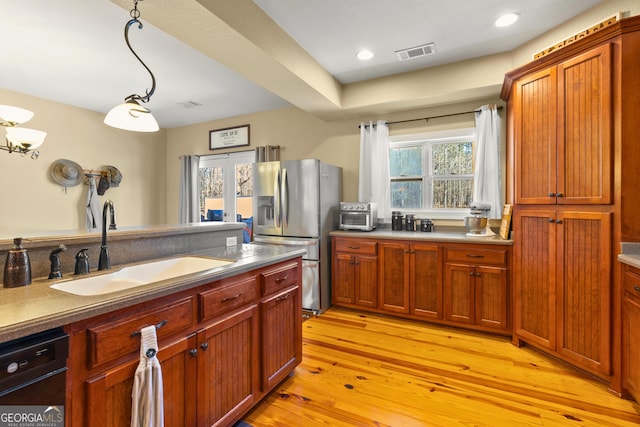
{"type": "Point", "coordinates": [573, 164]}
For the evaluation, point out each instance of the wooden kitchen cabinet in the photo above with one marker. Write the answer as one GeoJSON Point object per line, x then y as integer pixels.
{"type": "Point", "coordinates": [563, 284]}
{"type": "Point", "coordinates": [282, 335]}
{"type": "Point", "coordinates": [631, 332]}
{"type": "Point", "coordinates": [562, 134]}
{"type": "Point", "coordinates": [227, 378]}
{"type": "Point", "coordinates": [412, 281]}
{"type": "Point", "coordinates": [355, 272]}
{"type": "Point", "coordinates": [425, 280]}
{"type": "Point", "coordinates": [393, 284]}
{"type": "Point", "coordinates": [410, 278]}
{"type": "Point", "coordinates": [476, 287]}
{"type": "Point", "coordinates": [222, 347]}
{"type": "Point", "coordinates": [109, 393]}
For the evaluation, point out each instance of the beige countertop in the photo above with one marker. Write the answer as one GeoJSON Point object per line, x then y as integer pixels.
{"type": "Point", "coordinates": [37, 307]}
{"type": "Point", "coordinates": [451, 236]}
{"type": "Point", "coordinates": [630, 254]}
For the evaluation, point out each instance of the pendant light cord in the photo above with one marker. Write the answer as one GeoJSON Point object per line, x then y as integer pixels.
{"type": "Point", "coordinates": [135, 14]}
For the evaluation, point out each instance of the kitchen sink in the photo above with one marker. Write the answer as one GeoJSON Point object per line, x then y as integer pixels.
{"type": "Point", "coordinates": [138, 275]}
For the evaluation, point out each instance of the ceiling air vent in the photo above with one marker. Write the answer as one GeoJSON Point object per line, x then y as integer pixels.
{"type": "Point", "coordinates": [416, 52]}
{"type": "Point", "coordinates": [189, 104]}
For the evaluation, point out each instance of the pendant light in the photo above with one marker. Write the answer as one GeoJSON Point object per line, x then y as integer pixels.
{"type": "Point", "coordinates": [18, 139]}
{"type": "Point", "coordinates": [131, 115]}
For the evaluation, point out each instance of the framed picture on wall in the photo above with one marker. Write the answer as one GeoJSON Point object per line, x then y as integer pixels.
{"type": "Point", "coordinates": [229, 137]}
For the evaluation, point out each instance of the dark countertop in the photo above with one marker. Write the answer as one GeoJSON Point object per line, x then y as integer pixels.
{"type": "Point", "coordinates": [37, 307]}
{"type": "Point", "coordinates": [452, 236]}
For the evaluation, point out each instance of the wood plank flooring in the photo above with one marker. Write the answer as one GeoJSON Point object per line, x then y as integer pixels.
{"type": "Point", "coordinates": [368, 370]}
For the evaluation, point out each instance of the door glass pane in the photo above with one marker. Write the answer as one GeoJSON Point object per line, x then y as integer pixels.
{"type": "Point", "coordinates": [244, 190]}
{"type": "Point", "coordinates": [211, 193]}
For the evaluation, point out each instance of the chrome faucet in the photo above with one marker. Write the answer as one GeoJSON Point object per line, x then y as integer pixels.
{"type": "Point", "coordinates": [103, 262]}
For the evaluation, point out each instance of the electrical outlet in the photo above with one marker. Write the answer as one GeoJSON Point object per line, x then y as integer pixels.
{"type": "Point", "coordinates": [232, 241]}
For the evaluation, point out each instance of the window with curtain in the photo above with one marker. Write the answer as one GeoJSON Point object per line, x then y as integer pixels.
{"type": "Point", "coordinates": [432, 173]}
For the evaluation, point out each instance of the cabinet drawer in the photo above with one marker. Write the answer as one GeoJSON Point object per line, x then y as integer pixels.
{"type": "Point", "coordinates": [277, 279]}
{"type": "Point", "coordinates": [226, 298]}
{"type": "Point", "coordinates": [477, 256]}
{"type": "Point", "coordinates": [356, 246]}
{"type": "Point", "coordinates": [632, 285]}
{"type": "Point", "coordinates": [110, 341]}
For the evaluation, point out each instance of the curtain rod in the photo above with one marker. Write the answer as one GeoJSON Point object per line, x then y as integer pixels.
{"type": "Point", "coordinates": [432, 117]}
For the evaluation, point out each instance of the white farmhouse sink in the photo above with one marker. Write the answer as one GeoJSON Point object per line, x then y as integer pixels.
{"type": "Point", "coordinates": [138, 275]}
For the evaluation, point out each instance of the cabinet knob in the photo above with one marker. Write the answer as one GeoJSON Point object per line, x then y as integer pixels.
{"type": "Point", "coordinates": [551, 194]}
{"type": "Point", "coordinates": [550, 220]}
{"type": "Point", "coordinates": [281, 279]}
{"type": "Point", "coordinates": [559, 195]}
{"type": "Point", "coordinates": [478, 274]}
{"type": "Point", "coordinates": [637, 288]}
{"type": "Point", "coordinates": [558, 221]}
{"type": "Point", "coordinates": [471, 273]}
{"type": "Point", "coordinates": [204, 346]}
{"type": "Point", "coordinates": [193, 352]}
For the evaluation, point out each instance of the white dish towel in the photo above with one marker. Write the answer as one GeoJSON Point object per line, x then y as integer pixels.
{"type": "Point", "coordinates": [147, 409]}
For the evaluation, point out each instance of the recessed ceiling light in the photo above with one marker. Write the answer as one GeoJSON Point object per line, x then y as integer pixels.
{"type": "Point", "coordinates": [507, 19]}
{"type": "Point", "coordinates": [365, 54]}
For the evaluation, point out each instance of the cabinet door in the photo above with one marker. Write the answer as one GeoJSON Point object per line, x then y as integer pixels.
{"type": "Point", "coordinates": [491, 297]}
{"type": "Point", "coordinates": [535, 276]}
{"type": "Point", "coordinates": [228, 365]}
{"type": "Point", "coordinates": [344, 279]}
{"type": "Point", "coordinates": [366, 281]}
{"type": "Point", "coordinates": [584, 128]}
{"type": "Point", "coordinates": [459, 293]}
{"type": "Point", "coordinates": [534, 132]}
{"type": "Point", "coordinates": [426, 280]}
{"type": "Point", "coordinates": [281, 316]}
{"type": "Point", "coordinates": [108, 396]}
{"type": "Point", "coordinates": [631, 346]}
{"type": "Point", "coordinates": [394, 277]}
{"type": "Point", "coordinates": [584, 294]}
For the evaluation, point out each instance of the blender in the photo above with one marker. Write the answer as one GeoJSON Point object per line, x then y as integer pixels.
{"type": "Point", "coordinates": [477, 224]}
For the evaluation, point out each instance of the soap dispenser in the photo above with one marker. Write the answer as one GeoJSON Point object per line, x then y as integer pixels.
{"type": "Point", "coordinates": [17, 268]}
{"type": "Point", "coordinates": [82, 262]}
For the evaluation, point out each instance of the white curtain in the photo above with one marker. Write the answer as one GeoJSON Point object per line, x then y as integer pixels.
{"type": "Point", "coordinates": [487, 170]}
{"type": "Point", "coordinates": [373, 182]}
{"type": "Point", "coordinates": [189, 209]}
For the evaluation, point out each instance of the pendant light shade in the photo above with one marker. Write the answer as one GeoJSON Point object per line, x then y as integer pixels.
{"type": "Point", "coordinates": [131, 116]}
{"type": "Point", "coordinates": [25, 139]}
{"type": "Point", "coordinates": [12, 116]}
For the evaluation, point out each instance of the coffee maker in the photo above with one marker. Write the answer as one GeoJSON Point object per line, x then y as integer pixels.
{"type": "Point", "coordinates": [477, 224]}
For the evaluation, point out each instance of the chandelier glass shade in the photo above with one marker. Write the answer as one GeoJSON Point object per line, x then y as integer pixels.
{"type": "Point", "coordinates": [18, 139]}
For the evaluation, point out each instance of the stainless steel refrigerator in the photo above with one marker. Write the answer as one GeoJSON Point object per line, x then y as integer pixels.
{"type": "Point", "coordinates": [295, 203]}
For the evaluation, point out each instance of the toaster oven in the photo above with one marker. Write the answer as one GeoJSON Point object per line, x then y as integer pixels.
{"type": "Point", "coordinates": [358, 216]}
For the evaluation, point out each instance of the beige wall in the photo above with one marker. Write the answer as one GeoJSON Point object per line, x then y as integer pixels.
{"type": "Point", "coordinates": [32, 203]}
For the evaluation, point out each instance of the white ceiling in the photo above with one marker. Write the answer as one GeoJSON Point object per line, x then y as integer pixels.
{"type": "Point", "coordinates": [73, 51]}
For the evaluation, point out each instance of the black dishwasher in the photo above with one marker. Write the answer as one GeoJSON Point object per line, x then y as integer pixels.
{"type": "Point", "coordinates": [33, 369]}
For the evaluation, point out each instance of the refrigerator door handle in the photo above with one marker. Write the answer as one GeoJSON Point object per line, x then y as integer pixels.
{"type": "Point", "coordinates": [284, 186]}
{"type": "Point", "coordinates": [276, 201]}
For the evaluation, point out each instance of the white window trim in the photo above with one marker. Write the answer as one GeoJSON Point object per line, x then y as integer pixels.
{"type": "Point", "coordinates": [437, 137]}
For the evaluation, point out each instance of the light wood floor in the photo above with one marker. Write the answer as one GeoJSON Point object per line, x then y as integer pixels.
{"type": "Point", "coordinates": [367, 370]}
